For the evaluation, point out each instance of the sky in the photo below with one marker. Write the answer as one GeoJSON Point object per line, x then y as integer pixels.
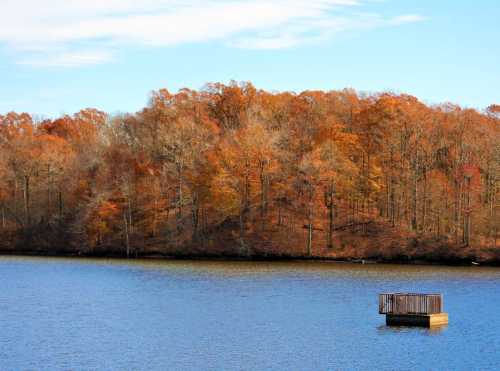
{"type": "Point", "coordinates": [59, 56]}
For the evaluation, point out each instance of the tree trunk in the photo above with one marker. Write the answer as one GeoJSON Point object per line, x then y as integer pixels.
{"type": "Point", "coordinates": [309, 236]}
{"type": "Point", "coordinates": [386, 212]}
{"type": "Point", "coordinates": [26, 197]}
{"type": "Point", "coordinates": [130, 220]}
{"type": "Point", "coordinates": [264, 179]}
{"type": "Point", "coordinates": [179, 192]}
{"type": "Point", "coordinates": [456, 216]}
{"type": "Point", "coordinates": [330, 204]}
{"type": "Point", "coordinates": [393, 203]}
{"type": "Point", "coordinates": [279, 213]}
{"type": "Point", "coordinates": [415, 195]}
{"type": "Point", "coordinates": [263, 192]}
{"type": "Point", "coordinates": [467, 214]}
{"type": "Point", "coordinates": [127, 238]}
{"type": "Point", "coordinates": [310, 225]}
{"type": "Point", "coordinates": [491, 207]}
{"type": "Point", "coordinates": [60, 206]}
{"type": "Point", "coordinates": [330, 226]}
{"type": "Point", "coordinates": [15, 197]}
{"type": "Point", "coordinates": [49, 193]}
{"type": "Point", "coordinates": [155, 216]}
{"type": "Point", "coordinates": [195, 212]}
{"type": "Point", "coordinates": [438, 229]}
{"type": "Point", "coordinates": [424, 199]}
{"type": "Point", "coordinates": [242, 229]}
{"type": "Point", "coordinates": [247, 186]}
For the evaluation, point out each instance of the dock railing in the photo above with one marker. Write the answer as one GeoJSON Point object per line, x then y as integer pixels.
{"type": "Point", "coordinates": [402, 303]}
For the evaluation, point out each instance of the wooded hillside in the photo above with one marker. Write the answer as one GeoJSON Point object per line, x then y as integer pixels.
{"type": "Point", "coordinates": [232, 170]}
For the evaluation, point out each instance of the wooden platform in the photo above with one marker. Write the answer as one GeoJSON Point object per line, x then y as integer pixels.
{"type": "Point", "coordinates": [422, 320]}
{"type": "Point", "coordinates": [410, 309]}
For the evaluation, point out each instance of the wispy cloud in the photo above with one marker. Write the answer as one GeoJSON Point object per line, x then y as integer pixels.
{"type": "Point", "coordinates": [407, 18]}
{"type": "Point", "coordinates": [68, 59]}
{"type": "Point", "coordinates": [52, 34]}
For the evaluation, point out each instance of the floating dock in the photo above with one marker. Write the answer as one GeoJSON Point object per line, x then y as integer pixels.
{"type": "Point", "coordinates": [408, 309]}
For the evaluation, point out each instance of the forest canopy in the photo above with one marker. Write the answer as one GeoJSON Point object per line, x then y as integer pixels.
{"type": "Point", "coordinates": [234, 170]}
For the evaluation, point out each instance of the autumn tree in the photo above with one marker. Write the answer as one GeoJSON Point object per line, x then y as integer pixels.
{"type": "Point", "coordinates": [276, 172]}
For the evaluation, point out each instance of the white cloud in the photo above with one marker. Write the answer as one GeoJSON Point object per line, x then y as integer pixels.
{"type": "Point", "coordinates": [69, 59]}
{"type": "Point", "coordinates": [408, 18]}
{"type": "Point", "coordinates": [60, 32]}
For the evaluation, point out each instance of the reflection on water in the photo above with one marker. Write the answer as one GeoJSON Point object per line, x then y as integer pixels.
{"type": "Point", "coordinates": [152, 314]}
{"type": "Point", "coordinates": [434, 330]}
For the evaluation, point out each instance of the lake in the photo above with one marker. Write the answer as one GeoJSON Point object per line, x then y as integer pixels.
{"type": "Point", "coordinates": [91, 314]}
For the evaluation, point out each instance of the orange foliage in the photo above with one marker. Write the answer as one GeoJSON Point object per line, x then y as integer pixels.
{"type": "Point", "coordinates": [234, 166]}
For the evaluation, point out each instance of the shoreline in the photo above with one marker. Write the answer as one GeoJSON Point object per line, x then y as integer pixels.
{"type": "Point", "coordinates": [259, 258]}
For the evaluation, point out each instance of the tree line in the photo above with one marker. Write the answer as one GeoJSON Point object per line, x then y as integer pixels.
{"type": "Point", "coordinates": [250, 169]}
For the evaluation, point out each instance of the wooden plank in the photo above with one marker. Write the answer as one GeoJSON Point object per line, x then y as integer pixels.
{"type": "Point", "coordinates": [425, 320]}
{"type": "Point", "coordinates": [410, 303]}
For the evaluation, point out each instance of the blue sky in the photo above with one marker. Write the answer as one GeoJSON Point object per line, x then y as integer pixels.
{"type": "Point", "coordinates": [110, 54]}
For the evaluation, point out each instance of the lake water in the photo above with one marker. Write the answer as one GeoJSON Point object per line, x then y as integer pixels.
{"type": "Point", "coordinates": [61, 314]}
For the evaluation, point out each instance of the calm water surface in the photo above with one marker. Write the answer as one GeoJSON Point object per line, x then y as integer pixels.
{"type": "Point", "coordinates": [176, 315]}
